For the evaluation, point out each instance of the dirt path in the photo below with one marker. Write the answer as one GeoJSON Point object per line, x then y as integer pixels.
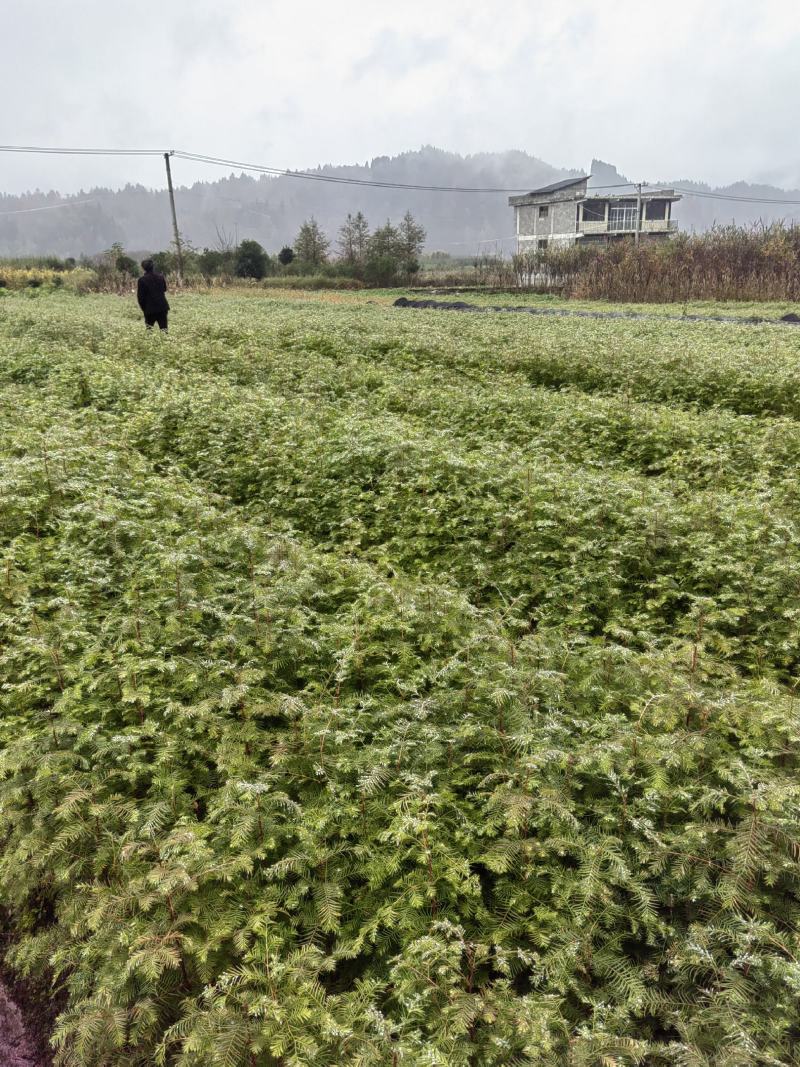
{"type": "Point", "coordinates": [458, 305]}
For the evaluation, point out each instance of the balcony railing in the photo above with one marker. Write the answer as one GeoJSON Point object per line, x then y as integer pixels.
{"type": "Point", "coordinates": [627, 226]}
{"type": "Point", "coordinates": [659, 225]}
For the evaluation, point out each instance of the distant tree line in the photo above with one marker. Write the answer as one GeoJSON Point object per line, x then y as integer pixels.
{"type": "Point", "coordinates": [389, 255]}
{"type": "Point", "coordinates": [725, 263]}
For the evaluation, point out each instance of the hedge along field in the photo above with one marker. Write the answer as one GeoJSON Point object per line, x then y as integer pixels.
{"type": "Point", "coordinates": [345, 723]}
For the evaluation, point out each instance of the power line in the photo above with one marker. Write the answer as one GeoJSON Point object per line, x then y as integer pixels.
{"type": "Point", "coordinates": [735, 199]}
{"type": "Point", "coordinates": [344, 180]}
{"type": "Point", "coordinates": [48, 207]}
{"type": "Point", "coordinates": [708, 195]}
{"type": "Point", "coordinates": [38, 149]}
{"type": "Point", "coordinates": [338, 179]}
{"type": "Point", "coordinates": [219, 161]}
{"type": "Point", "coordinates": [280, 172]}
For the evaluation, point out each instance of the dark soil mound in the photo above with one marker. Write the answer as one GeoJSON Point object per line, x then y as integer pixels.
{"type": "Point", "coordinates": [458, 305]}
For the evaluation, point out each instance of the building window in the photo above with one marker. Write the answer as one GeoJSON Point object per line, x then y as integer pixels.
{"type": "Point", "coordinates": [622, 216]}
{"type": "Point", "coordinates": [656, 210]}
{"type": "Point", "coordinates": [543, 211]}
{"type": "Point", "coordinates": [594, 211]}
{"type": "Point", "coordinates": [541, 244]}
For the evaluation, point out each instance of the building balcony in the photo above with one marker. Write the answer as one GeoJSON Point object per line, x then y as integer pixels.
{"type": "Point", "coordinates": [627, 226]}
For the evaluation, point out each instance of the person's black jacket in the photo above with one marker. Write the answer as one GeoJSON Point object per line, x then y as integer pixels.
{"type": "Point", "coordinates": [150, 293]}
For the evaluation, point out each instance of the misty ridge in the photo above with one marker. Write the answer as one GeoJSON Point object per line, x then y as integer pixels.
{"type": "Point", "coordinates": [271, 209]}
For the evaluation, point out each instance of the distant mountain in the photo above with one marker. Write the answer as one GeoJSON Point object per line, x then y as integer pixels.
{"type": "Point", "coordinates": [270, 210]}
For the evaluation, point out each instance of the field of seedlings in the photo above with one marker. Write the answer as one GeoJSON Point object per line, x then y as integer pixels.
{"type": "Point", "coordinates": [388, 687]}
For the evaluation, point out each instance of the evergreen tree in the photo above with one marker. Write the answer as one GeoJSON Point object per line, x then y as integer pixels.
{"type": "Point", "coordinates": [311, 245]}
{"type": "Point", "coordinates": [353, 240]}
{"type": "Point", "coordinates": [411, 238]}
{"type": "Point", "coordinates": [361, 236]}
{"type": "Point", "coordinates": [384, 256]}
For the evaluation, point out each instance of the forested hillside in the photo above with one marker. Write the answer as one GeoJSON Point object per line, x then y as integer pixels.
{"type": "Point", "coordinates": [271, 210]}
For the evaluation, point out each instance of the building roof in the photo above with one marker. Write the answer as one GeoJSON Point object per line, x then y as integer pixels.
{"type": "Point", "coordinates": [627, 191]}
{"type": "Point", "coordinates": [547, 190]}
{"type": "Point", "coordinates": [558, 186]}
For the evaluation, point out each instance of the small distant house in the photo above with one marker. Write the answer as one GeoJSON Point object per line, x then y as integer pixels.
{"type": "Point", "coordinates": [570, 213]}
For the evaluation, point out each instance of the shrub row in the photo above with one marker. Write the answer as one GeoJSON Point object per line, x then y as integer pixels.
{"type": "Point", "coordinates": [266, 805]}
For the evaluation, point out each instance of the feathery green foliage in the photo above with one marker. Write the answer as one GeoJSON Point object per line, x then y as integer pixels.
{"type": "Point", "coordinates": [400, 691]}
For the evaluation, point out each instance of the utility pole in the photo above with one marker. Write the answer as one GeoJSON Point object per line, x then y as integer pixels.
{"type": "Point", "coordinates": [175, 232]}
{"type": "Point", "coordinates": [638, 210]}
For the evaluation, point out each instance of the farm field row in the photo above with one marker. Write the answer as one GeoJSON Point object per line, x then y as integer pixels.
{"type": "Point", "coordinates": [385, 688]}
{"type": "Point", "coordinates": [411, 368]}
{"type": "Point", "coordinates": [750, 371]}
{"type": "Point", "coordinates": [744, 309]}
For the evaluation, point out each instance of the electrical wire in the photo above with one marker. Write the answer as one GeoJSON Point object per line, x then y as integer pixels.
{"type": "Point", "coordinates": [219, 161]}
{"type": "Point", "coordinates": [734, 199]}
{"type": "Point", "coordinates": [338, 179]}
{"type": "Point", "coordinates": [344, 180]}
{"type": "Point", "coordinates": [48, 207]}
{"type": "Point", "coordinates": [197, 157]}
{"type": "Point", "coordinates": [39, 150]}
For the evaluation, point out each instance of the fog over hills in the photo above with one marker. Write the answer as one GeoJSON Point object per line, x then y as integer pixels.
{"type": "Point", "coordinates": [271, 210]}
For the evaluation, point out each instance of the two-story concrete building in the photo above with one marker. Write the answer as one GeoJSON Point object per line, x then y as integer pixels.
{"type": "Point", "coordinates": [569, 212]}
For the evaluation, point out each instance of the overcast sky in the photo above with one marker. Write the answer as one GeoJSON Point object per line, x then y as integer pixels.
{"type": "Point", "coordinates": [686, 89]}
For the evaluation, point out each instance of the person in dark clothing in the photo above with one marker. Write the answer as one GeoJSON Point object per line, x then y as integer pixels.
{"type": "Point", "coordinates": [151, 294]}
